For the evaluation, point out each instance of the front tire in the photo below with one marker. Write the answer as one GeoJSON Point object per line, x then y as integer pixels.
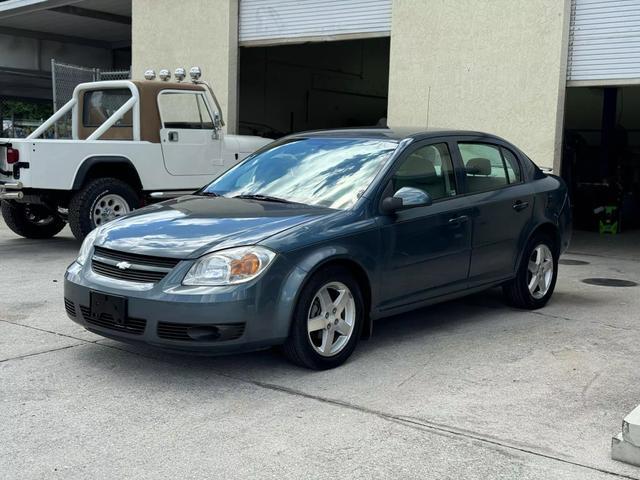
{"type": "Point", "coordinates": [100, 201]}
{"type": "Point", "coordinates": [536, 278]}
{"type": "Point", "coordinates": [31, 221]}
{"type": "Point", "coordinates": [327, 320]}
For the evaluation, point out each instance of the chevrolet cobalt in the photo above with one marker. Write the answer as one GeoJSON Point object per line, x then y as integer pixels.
{"type": "Point", "coordinates": [307, 241]}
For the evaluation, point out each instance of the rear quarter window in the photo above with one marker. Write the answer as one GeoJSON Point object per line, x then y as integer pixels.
{"type": "Point", "coordinates": [99, 105]}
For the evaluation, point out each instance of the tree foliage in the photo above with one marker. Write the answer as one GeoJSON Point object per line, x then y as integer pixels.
{"type": "Point", "coordinates": [23, 110]}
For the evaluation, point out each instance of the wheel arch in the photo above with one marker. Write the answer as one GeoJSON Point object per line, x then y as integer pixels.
{"type": "Point", "coordinates": [547, 228]}
{"type": "Point", "coordinates": [315, 263]}
{"type": "Point", "coordinates": [106, 166]}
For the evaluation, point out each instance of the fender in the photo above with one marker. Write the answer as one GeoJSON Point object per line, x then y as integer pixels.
{"type": "Point", "coordinates": [88, 163]}
{"type": "Point", "coordinates": [305, 268]}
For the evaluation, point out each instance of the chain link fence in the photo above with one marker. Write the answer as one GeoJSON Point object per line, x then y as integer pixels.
{"type": "Point", "coordinates": [20, 116]}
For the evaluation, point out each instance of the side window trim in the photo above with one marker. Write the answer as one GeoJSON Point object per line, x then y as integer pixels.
{"type": "Point", "coordinates": [498, 146]}
{"type": "Point", "coordinates": [518, 163]}
{"type": "Point", "coordinates": [199, 95]}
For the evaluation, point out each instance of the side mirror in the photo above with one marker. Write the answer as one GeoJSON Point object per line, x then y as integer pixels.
{"type": "Point", "coordinates": [406, 197]}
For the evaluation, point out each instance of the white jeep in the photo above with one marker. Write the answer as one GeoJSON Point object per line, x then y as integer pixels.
{"type": "Point", "coordinates": [132, 142]}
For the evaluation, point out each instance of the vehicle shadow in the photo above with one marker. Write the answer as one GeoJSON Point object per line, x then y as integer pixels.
{"type": "Point", "coordinates": [55, 245]}
{"type": "Point", "coordinates": [418, 326]}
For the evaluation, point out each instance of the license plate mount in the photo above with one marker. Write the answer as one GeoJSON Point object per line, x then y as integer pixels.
{"type": "Point", "coordinates": [103, 305]}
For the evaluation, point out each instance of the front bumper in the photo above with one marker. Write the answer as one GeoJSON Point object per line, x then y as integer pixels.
{"type": "Point", "coordinates": [216, 321]}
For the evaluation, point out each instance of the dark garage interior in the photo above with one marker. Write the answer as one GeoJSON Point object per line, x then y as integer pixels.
{"type": "Point", "coordinates": [601, 160]}
{"type": "Point", "coordinates": [291, 88]}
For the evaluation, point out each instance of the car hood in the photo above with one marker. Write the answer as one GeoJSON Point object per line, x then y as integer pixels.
{"type": "Point", "coordinates": [191, 226]}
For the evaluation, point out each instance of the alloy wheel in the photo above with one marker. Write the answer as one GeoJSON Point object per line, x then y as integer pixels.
{"type": "Point", "coordinates": [331, 319]}
{"type": "Point", "coordinates": [540, 271]}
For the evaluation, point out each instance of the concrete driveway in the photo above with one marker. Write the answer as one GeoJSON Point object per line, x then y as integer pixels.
{"type": "Point", "coordinates": [468, 389]}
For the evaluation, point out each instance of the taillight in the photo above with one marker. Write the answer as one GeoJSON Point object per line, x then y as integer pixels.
{"type": "Point", "coordinates": [13, 155]}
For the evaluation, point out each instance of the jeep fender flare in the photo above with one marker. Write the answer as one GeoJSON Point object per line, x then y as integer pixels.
{"type": "Point", "coordinates": [87, 164]}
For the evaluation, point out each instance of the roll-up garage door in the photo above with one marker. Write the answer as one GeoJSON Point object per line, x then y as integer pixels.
{"type": "Point", "coordinates": [270, 22]}
{"type": "Point", "coordinates": [604, 41]}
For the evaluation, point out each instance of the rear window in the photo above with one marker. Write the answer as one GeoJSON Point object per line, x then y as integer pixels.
{"type": "Point", "coordinates": [99, 105]}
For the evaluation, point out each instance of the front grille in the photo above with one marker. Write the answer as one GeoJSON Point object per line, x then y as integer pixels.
{"type": "Point", "coordinates": [69, 307]}
{"type": "Point", "coordinates": [200, 333]}
{"type": "Point", "coordinates": [136, 258]}
{"type": "Point", "coordinates": [135, 326]}
{"type": "Point", "coordinates": [131, 267]}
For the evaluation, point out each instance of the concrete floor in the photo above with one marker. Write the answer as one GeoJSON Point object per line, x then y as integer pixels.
{"type": "Point", "coordinates": [468, 389]}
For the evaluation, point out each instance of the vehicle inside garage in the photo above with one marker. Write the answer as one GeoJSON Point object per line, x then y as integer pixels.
{"type": "Point", "coordinates": [290, 88]}
{"type": "Point", "coordinates": [601, 158]}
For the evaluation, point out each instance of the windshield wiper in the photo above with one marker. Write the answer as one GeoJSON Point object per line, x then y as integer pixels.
{"type": "Point", "coordinates": [204, 193]}
{"type": "Point", "coordinates": [263, 198]}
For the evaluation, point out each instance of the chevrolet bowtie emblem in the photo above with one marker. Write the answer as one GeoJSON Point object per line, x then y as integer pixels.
{"type": "Point", "coordinates": [123, 265]}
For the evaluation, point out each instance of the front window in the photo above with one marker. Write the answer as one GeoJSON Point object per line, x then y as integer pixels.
{"type": "Point", "coordinates": [325, 172]}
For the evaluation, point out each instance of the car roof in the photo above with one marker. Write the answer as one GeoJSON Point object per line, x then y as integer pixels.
{"type": "Point", "coordinates": [393, 133]}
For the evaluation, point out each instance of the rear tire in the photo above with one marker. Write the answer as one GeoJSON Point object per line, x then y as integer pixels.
{"type": "Point", "coordinates": [537, 274]}
{"type": "Point", "coordinates": [84, 208]}
{"type": "Point", "coordinates": [31, 221]}
{"type": "Point", "coordinates": [327, 321]}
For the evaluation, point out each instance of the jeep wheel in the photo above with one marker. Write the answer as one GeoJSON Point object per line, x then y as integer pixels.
{"type": "Point", "coordinates": [98, 202]}
{"type": "Point", "coordinates": [31, 221]}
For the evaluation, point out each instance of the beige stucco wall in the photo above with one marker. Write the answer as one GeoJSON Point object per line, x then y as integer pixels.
{"type": "Point", "coordinates": [497, 66]}
{"type": "Point", "coordinates": [170, 34]}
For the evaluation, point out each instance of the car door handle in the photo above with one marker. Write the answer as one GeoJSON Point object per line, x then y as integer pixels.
{"type": "Point", "coordinates": [520, 205]}
{"type": "Point", "coordinates": [173, 136]}
{"type": "Point", "coordinates": [458, 220]}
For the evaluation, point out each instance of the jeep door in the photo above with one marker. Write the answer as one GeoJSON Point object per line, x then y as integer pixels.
{"type": "Point", "coordinates": [190, 143]}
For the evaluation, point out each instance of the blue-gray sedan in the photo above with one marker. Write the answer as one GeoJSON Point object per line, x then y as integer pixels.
{"type": "Point", "coordinates": [310, 239]}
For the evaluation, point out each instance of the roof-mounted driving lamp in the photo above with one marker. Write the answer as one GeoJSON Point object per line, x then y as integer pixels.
{"type": "Point", "coordinates": [180, 74]}
{"type": "Point", "coordinates": [150, 74]}
{"type": "Point", "coordinates": [164, 74]}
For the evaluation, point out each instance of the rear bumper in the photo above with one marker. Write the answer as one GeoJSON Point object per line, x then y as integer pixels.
{"type": "Point", "coordinates": [11, 190]}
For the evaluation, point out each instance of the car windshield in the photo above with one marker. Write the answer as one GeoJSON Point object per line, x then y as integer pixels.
{"type": "Point", "coordinates": [325, 172]}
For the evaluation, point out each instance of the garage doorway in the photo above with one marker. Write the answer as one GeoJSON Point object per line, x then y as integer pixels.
{"type": "Point", "coordinates": [601, 161]}
{"type": "Point", "coordinates": [292, 88]}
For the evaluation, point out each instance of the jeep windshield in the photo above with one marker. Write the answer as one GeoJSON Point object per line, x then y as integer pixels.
{"type": "Point", "coordinates": [326, 172]}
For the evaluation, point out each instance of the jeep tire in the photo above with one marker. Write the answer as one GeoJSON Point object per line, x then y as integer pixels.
{"type": "Point", "coordinates": [87, 206]}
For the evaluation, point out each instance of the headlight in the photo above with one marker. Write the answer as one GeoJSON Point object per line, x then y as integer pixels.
{"type": "Point", "coordinates": [229, 267]}
{"type": "Point", "coordinates": [86, 246]}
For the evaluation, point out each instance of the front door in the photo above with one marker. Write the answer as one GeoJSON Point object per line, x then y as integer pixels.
{"type": "Point", "coordinates": [427, 249]}
{"type": "Point", "coordinates": [190, 145]}
{"type": "Point", "coordinates": [503, 206]}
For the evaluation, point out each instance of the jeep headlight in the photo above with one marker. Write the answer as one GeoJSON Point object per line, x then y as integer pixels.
{"type": "Point", "coordinates": [87, 245]}
{"type": "Point", "coordinates": [229, 267]}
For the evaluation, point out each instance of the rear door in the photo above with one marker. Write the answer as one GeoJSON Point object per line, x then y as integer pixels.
{"type": "Point", "coordinates": [190, 145]}
{"type": "Point", "coordinates": [502, 207]}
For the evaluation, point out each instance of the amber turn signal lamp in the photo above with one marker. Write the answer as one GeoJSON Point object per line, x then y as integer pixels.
{"type": "Point", "coordinates": [249, 264]}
